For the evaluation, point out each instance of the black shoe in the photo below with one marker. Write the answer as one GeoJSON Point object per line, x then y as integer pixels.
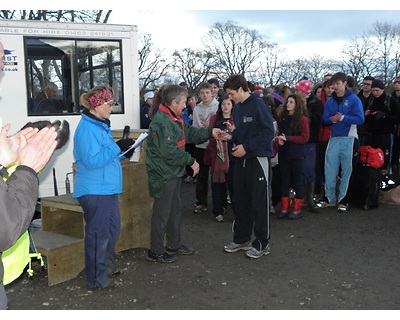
{"type": "Point", "coordinates": [282, 215]}
{"type": "Point", "coordinates": [294, 216]}
{"type": "Point", "coordinates": [111, 285]}
{"type": "Point", "coordinates": [181, 250]}
{"type": "Point", "coordinates": [115, 273]}
{"type": "Point", "coordinates": [163, 258]}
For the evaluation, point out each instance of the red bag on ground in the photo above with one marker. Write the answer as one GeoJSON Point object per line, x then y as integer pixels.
{"type": "Point", "coordinates": [371, 156]}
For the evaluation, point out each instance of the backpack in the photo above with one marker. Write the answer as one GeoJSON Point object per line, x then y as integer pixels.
{"type": "Point", "coordinates": [371, 157]}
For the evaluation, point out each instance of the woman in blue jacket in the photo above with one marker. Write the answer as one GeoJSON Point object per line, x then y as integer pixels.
{"type": "Point", "coordinates": [97, 184]}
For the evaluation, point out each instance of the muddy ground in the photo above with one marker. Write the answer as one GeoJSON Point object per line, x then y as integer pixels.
{"type": "Point", "coordinates": [324, 261]}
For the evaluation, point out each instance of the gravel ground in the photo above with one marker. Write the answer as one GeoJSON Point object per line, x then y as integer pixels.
{"type": "Point", "coordinates": [324, 261]}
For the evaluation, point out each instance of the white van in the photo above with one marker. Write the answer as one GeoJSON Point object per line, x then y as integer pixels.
{"type": "Point", "coordinates": [73, 58]}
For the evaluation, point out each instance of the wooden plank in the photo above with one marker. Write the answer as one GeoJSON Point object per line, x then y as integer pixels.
{"type": "Point", "coordinates": [63, 221]}
{"type": "Point", "coordinates": [64, 201]}
{"type": "Point", "coordinates": [64, 255]}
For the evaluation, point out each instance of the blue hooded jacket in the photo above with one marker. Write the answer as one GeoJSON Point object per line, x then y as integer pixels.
{"type": "Point", "coordinates": [351, 107]}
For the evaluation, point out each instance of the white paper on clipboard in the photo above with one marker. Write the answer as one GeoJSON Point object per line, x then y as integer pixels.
{"type": "Point", "coordinates": [137, 143]}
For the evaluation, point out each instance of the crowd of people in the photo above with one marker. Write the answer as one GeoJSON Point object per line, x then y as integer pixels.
{"type": "Point", "coordinates": [301, 144]}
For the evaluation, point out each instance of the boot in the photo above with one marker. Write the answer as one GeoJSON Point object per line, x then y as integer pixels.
{"type": "Point", "coordinates": [310, 186]}
{"type": "Point", "coordinates": [296, 214]}
{"type": "Point", "coordinates": [285, 206]}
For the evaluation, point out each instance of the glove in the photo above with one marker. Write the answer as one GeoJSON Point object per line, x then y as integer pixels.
{"type": "Point", "coordinates": [124, 145]}
{"type": "Point", "coordinates": [62, 130]}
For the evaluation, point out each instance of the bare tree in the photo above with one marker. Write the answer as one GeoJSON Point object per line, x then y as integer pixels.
{"type": "Point", "coordinates": [270, 70]}
{"type": "Point", "coordinates": [358, 58]}
{"type": "Point", "coordinates": [317, 67]}
{"type": "Point", "coordinates": [192, 66]}
{"type": "Point", "coordinates": [234, 48]}
{"type": "Point", "coordinates": [376, 53]}
{"type": "Point", "coordinates": [153, 66]}
{"type": "Point", "coordinates": [386, 36]}
{"type": "Point", "coordinates": [87, 16]}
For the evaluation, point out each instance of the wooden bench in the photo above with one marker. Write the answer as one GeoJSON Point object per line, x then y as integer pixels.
{"type": "Point", "coordinates": [64, 254]}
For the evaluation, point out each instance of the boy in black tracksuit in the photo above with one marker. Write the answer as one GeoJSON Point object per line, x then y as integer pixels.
{"type": "Point", "coordinates": [252, 137]}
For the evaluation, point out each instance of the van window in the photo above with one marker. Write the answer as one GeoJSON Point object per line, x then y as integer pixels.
{"type": "Point", "coordinates": [60, 70]}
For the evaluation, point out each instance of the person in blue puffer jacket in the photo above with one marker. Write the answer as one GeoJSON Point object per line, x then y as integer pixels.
{"type": "Point", "coordinates": [97, 184]}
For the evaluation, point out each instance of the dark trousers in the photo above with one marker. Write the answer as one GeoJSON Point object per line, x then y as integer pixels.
{"type": "Point", "coordinates": [310, 162]}
{"type": "Point", "coordinates": [292, 176]}
{"type": "Point", "coordinates": [251, 179]}
{"type": "Point", "coordinates": [102, 228]}
{"type": "Point", "coordinates": [220, 191]}
{"type": "Point", "coordinates": [320, 167]}
{"type": "Point", "coordinates": [167, 218]}
{"type": "Point", "coordinates": [276, 185]}
{"type": "Point", "coordinates": [202, 177]}
{"type": "Point", "coordinates": [395, 149]}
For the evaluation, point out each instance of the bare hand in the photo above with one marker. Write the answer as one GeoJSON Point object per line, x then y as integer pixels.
{"type": "Point", "coordinates": [238, 151]}
{"type": "Point", "coordinates": [336, 117]}
{"type": "Point", "coordinates": [281, 139]}
{"type": "Point", "coordinates": [216, 132]}
{"type": "Point", "coordinates": [36, 152]}
{"type": "Point", "coordinates": [225, 136]}
{"type": "Point", "coordinates": [229, 126]}
{"type": "Point", "coordinates": [195, 167]}
{"type": "Point", "coordinates": [28, 133]}
{"type": "Point", "coordinates": [8, 153]}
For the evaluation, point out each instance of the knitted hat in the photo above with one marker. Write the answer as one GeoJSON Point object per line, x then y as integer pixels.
{"type": "Point", "coordinates": [148, 95]}
{"type": "Point", "coordinates": [304, 86]}
{"type": "Point", "coordinates": [258, 88]}
{"type": "Point", "coordinates": [378, 84]}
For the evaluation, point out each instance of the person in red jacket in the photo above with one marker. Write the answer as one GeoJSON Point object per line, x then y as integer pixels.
{"type": "Point", "coordinates": [219, 156]}
{"type": "Point", "coordinates": [293, 134]}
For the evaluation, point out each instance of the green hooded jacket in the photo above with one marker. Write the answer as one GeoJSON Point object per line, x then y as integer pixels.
{"type": "Point", "coordinates": [166, 157]}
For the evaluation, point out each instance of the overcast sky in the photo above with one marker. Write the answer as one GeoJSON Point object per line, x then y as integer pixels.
{"type": "Point", "coordinates": [302, 32]}
{"type": "Point", "coordinates": [310, 26]}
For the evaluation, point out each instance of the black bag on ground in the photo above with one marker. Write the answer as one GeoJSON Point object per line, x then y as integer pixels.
{"type": "Point", "coordinates": [366, 187]}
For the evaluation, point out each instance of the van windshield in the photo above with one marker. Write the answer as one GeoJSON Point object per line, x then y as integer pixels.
{"type": "Point", "coordinates": [60, 70]}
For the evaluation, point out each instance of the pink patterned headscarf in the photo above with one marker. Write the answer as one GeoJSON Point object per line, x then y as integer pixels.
{"type": "Point", "coordinates": [99, 98]}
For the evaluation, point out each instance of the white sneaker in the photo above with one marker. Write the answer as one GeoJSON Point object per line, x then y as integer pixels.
{"type": "Point", "coordinates": [219, 218]}
{"type": "Point", "coordinates": [235, 247]}
{"type": "Point", "coordinates": [255, 254]}
{"type": "Point", "coordinates": [342, 208]}
{"type": "Point", "coordinates": [200, 208]}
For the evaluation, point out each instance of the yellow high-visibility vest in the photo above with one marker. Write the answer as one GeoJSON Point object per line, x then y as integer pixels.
{"type": "Point", "coordinates": [16, 258]}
